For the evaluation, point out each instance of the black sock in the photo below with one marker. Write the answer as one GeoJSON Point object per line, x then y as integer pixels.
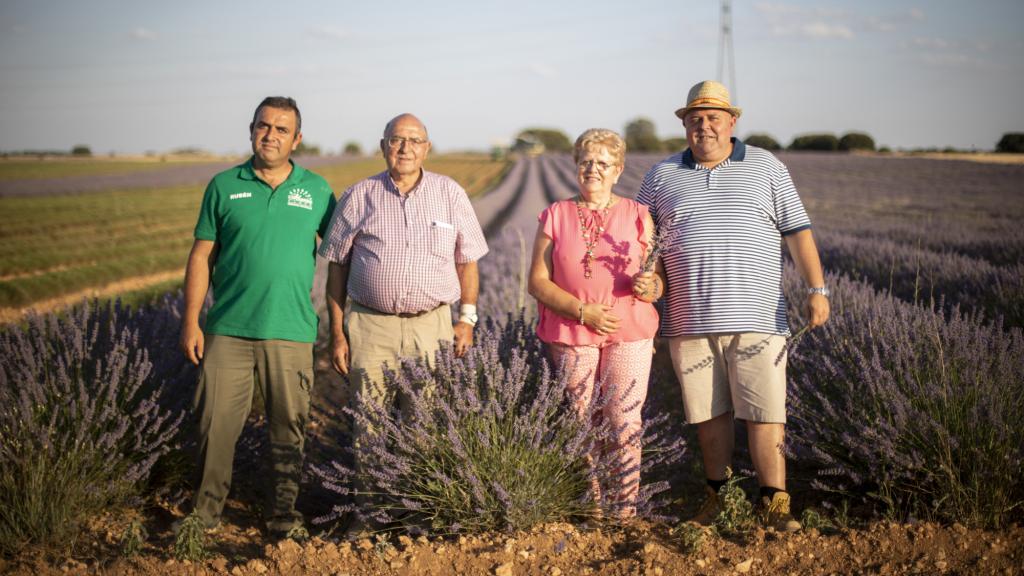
{"type": "Point", "coordinates": [716, 485]}
{"type": "Point", "coordinates": [768, 492]}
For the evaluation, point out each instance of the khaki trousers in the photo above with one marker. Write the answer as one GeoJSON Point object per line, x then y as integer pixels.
{"type": "Point", "coordinates": [376, 339]}
{"type": "Point", "coordinates": [230, 368]}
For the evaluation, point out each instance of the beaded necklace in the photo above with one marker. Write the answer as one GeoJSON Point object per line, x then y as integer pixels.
{"type": "Point", "coordinates": [591, 230]}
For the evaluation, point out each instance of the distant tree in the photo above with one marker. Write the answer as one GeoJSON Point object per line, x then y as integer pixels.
{"type": "Point", "coordinates": [825, 142]}
{"type": "Point", "coordinates": [553, 140]}
{"type": "Point", "coordinates": [307, 149]}
{"type": "Point", "coordinates": [1011, 142]}
{"type": "Point", "coordinates": [189, 151]}
{"type": "Point", "coordinates": [81, 150]}
{"type": "Point", "coordinates": [641, 136]}
{"type": "Point", "coordinates": [352, 148]}
{"type": "Point", "coordinates": [763, 141]}
{"type": "Point", "coordinates": [674, 145]}
{"type": "Point", "coordinates": [856, 141]}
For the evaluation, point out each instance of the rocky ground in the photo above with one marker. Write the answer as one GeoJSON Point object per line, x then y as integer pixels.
{"type": "Point", "coordinates": [552, 550]}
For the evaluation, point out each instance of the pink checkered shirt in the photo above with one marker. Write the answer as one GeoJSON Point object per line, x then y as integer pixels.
{"type": "Point", "coordinates": [402, 251]}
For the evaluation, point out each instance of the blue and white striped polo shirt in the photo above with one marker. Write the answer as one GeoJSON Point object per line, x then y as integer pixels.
{"type": "Point", "coordinates": [725, 225]}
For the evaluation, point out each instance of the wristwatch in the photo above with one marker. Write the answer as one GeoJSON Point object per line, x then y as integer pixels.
{"type": "Point", "coordinates": [823, 290]}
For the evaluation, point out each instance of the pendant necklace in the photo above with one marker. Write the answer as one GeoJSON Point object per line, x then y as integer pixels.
{"type": "Point", "coordinates": [591, 231]}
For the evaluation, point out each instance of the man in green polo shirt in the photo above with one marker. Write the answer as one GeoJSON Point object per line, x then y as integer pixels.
{"type": "Point", "coordinates": [255, 244]}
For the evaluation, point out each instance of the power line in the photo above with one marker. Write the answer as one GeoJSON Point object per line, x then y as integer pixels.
{"type": "Point", "coordinates": [725, 49]}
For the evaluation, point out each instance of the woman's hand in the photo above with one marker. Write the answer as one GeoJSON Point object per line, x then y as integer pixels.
{"type": "Point", "coordinates": [646, 286]}
{"type": "Point", "coordinates": [599, 318]}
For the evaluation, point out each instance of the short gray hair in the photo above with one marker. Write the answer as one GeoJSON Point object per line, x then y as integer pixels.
{"type": "Point", "coordinates": [609, 139]}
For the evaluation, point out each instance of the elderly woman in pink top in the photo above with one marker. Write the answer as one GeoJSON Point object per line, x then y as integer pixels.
{"type": "Point", "coordinates": [595, 313]}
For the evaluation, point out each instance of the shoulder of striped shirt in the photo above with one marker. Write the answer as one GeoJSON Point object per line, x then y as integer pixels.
{"type": "Point", "coordinates": [754, 155]}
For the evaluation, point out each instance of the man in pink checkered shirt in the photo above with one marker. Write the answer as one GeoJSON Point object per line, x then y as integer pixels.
{"type": "Point", "coordinates": [403, 246]}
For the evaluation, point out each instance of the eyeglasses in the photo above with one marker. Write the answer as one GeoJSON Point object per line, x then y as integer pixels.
{"type": "Point", "coordinates": [601, 166]}
{"type": "Point", "coordinates": [397, 141]}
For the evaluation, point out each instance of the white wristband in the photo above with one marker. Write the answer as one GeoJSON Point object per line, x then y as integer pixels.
{"type": "Point", "coordinates": [467, 314]}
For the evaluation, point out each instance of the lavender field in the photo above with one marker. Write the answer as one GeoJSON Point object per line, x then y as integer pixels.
{"type": "Point", "coordinates": [908, 404]}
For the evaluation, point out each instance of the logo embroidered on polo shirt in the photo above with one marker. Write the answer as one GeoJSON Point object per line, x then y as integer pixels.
{"type": "Point", "coordinates": [238, 195]}
{"type": "Point", "coordinates": [301, 198]}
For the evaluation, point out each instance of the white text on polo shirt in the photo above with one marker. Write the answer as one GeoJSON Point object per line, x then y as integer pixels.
{"type": "Point", "coordinates": [238, 195]}
{"type": "Point", "coordinates": [301, 198]}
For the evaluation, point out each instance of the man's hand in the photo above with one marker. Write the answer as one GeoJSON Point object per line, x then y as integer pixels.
{"type": "Point", "coordinates": [192, 342]}
{"type": "Point", "coordinates": [463, 338]}
{"type": "Point", "coordinates": [817, 310]}
{"type": "Point", "coordinates": [339, 354]}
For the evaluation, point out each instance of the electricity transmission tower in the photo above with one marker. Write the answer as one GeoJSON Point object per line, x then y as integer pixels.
{"type": "Point", "coordinates": [725, 49]}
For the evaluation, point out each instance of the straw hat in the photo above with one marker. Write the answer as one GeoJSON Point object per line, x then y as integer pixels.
{"type": "Point", "coordinates": [708, 94]}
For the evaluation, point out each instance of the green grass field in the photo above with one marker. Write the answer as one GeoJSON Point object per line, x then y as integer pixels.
{"type": "Point", "coordinates": [53, 247]}
{"type": "Point", "coordinates": [32, 169]}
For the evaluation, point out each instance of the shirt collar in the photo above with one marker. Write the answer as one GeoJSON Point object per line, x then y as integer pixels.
{"type": "Point", "coordinates": [389, 183]}
{"type": "Point", "coordinates": [739, 153]}
{"type": "Point", "coordinates": [248, 173]}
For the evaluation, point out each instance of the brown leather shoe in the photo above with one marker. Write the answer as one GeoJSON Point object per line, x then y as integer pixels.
{"type": "Point", "coordinates": [775, 513]}
{"type": "Point", "coordinates": [709, 510]}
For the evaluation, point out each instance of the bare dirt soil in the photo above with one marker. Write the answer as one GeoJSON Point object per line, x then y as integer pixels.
{"type": "Point", "coordinates": [559, 549]}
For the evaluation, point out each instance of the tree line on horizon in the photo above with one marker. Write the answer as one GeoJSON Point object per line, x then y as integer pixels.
{"type": "Point", "coordinates": [640, 136]}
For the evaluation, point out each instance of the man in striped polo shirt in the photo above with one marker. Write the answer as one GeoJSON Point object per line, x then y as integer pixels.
{"type": "Point", "coordinates": [726, 207]}
{"type": "Point", "coordinates": [403, 245]}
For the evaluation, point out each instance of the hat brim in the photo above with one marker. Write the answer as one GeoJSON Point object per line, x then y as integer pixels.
{"type": "Point", "coordinates": [682, 112]}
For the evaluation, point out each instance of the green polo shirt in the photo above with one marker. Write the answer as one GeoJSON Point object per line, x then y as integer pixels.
{"type": "Point", "coordinates": [266, 255]}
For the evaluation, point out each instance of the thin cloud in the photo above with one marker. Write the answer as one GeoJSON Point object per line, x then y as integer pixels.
{"type": "Point", "coordinates": [879, 25]}
{"type": "Point", "coordinates": [771, 8]}
{"type": "Point", "coordinates": [829, 22]}
{"type": "Point", "coordinates": [823, 30]}
{"type": "Point", "coordinates": [143, 34]}
{"type": "Point", "coordinates": [931, 43]}
{"type": "Point", "coordinates": [831, 12]}
{"type": "Point", "coordinates": [815, 31]}
{"type": "Point", "coordinates": [330, 32]}
{"type": "Point", "coordinates": [543, 70]}
{"type": "Point", "coordinates": [953, 60]}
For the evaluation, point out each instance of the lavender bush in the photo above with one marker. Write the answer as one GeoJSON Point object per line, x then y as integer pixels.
{"type": "Point", "coordinates": [503, 276]}
{"type": "Point", "coordinates": [920, 275]}
{"type": "Point", "coordinates": [490, 444]}
{"type": "Point", "coordinates": [918, 412]}
{"type": "Point", "coordinates": [80, 420]}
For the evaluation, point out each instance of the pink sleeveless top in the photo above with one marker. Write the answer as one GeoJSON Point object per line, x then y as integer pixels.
{"type": "Point", "coordinates": [618, 255]}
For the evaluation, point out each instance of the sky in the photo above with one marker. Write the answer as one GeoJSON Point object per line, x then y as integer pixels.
{"type": "Point", "coordinates": [131, 77]}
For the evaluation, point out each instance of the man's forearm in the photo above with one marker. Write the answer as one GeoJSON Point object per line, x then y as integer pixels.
{"type": "Point", "coordinates": [805, 255]}
{"type": "Point", "coordinates": [469, 282]}
{"type": "Point", "coordinates": [336, 293]}
{"type": "Point", "coordinates": [197, 281]}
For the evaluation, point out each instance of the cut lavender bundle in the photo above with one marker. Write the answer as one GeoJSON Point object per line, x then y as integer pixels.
{"type": "Point", "coordinates": [662, 242]}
